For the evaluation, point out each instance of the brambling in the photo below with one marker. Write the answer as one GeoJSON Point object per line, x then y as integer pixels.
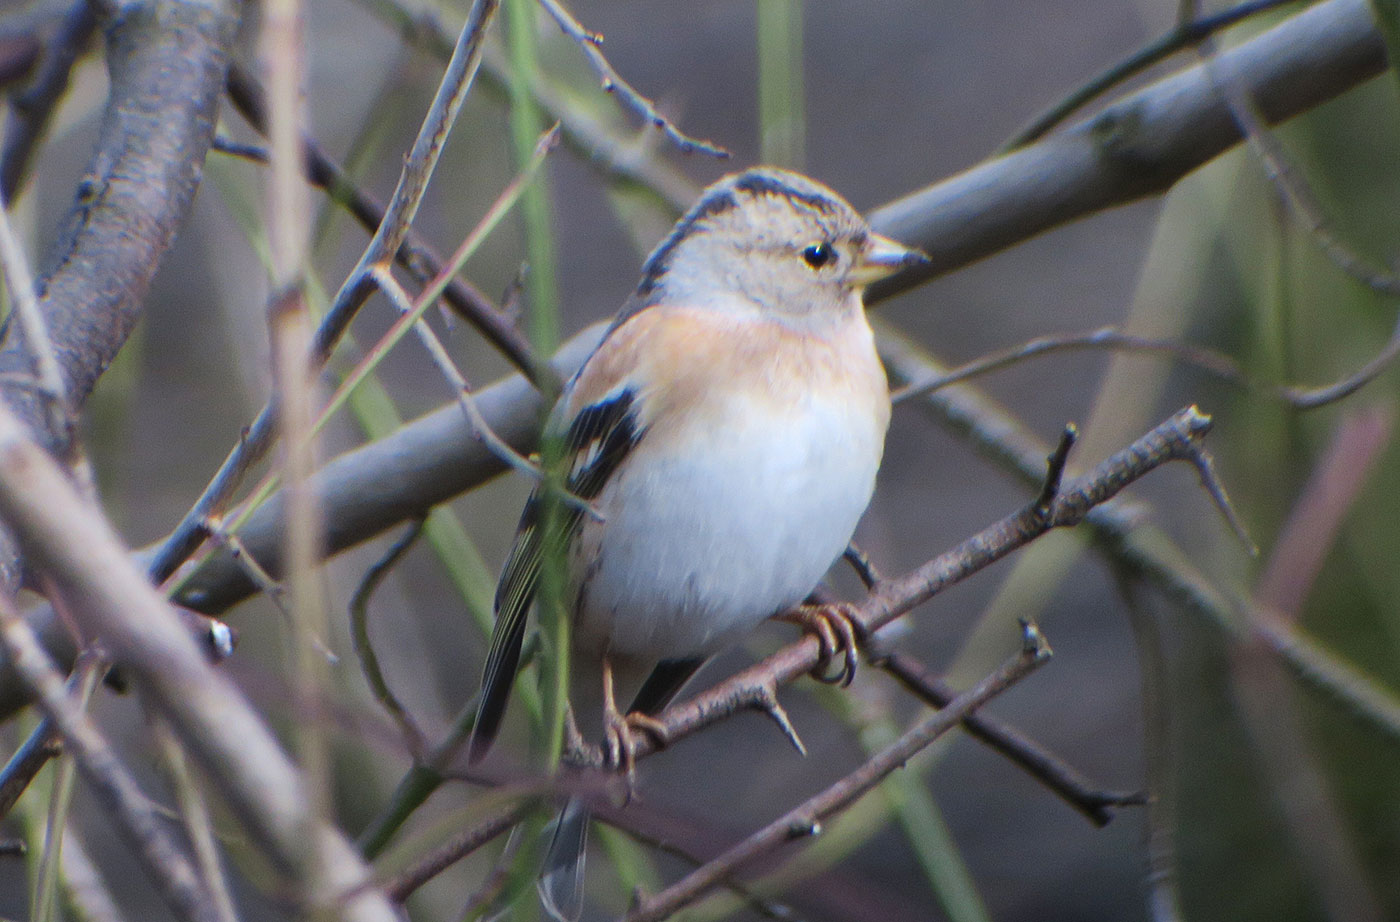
{"type": "Point", "coordinates": [726, 430]}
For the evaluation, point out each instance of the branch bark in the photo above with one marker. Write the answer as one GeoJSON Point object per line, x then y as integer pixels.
{"type": "Point", "coordinates": [166, 60]}
{"type": "Point", "coordinates": [86, 567]}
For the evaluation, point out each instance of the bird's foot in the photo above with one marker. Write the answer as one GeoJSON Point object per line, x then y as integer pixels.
{"type": "Point", "coordinates": [619, 745]}
{"type": "Point", "coordinates": [836, 629]}
{"type": "Point", "coordinates": [619, 731]}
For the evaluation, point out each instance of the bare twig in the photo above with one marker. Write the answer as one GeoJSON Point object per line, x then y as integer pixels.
{"type": "Point", "coordinates": [1209, 360]}
{"type": "Point", "coordinates": [359, 632]}
{"type": "Point", "coordinates": [589, 43]}
{"type": "Point", "coordinates": [630, 161]}
{"type": "Point", "coordinates": [31, 109]}
{"type": "Point", "coordinates": [412, 310]}
{"type": "Point", "coordinates": [1185, 34]}
{"type": "Point", "coordinates": [415, 254]}
{"type": "Point", "coordinates": [805, 819]}
{"type": "Point", "coordinates": [94, 579]}
{"type": "Point", "coordinates": [39, 747]}
{"type": "Point", "coordinates": [20, 282]}
{"type": "Point", "coordinates": [87, 672]}
{"type": "Point", "coordinates": [161, 857]}
{"type": "Point", "coordinates": [403, 206]}
{"type": "Point", "coordinates": [455, 849]}
{"type": "Point", "coordinates": [199, 827]}
{"type": "Point", "coordinates": [1041, 764]}
{"type": "Point", "coordinates": [1289, 181]}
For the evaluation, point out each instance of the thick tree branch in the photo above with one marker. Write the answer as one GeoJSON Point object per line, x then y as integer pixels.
{"type": "Point", "coordinates": [166, 60]}
{"type": "Point", "coordinates": [1136, 147]}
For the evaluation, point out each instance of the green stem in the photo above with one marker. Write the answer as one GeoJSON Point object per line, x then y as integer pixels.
{"type": "Point", "coordinates": [781, 113]}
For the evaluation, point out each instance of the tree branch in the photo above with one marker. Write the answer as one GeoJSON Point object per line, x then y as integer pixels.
{"type": "Point", "coordinates": [166, 60]}
{"type": "Point", "coordinates": [805, 819]}
{"type": "Point", "coordinates": [1136, 147]}
{"type": "Point", "coordinates": [94, 578]}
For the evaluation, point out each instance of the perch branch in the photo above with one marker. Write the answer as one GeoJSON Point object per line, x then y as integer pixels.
{"type": "Point", "coordinates": [805, 819]}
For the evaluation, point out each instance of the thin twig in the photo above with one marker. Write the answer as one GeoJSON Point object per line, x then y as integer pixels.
{"type": "Point", "coordinates": [631, 161]}
{"type": "Point", "coordinates": [1209, 360]}
{"type": "Point", "coordinates": [428, 771]}
{"type": "Point", "coordinates": [415, 254]}
{"type": "Point", "coordinates": [402, 885]}
{"type": "Point", "coordinates": [806, 819]}
{"type": "Point", "coordinates": [403, 206]}
{"type": "Point", "coordinates": [364, 649]}
{"type": "Point", "coordinates": [1044, 766]}
{"type": "Point", "coordinates": [194, 812]}
{"type": "Point", "coordinates": [39, 747]}
{"type": "Point", "coordinates": [20, 282]}
{"type": "Point", "coordinates": [764, 906]}
{"type": "Point", "coordinates": [589, 43]}
{"type": "Point", "coordinates": [413, 310]}
{"type": "Point", "coordinates": [1183, 35]}
{"type": "Point", "coordinates": [87, 672]}
{"type": "Point", "coordinates": [1290, 182]}
{"type": "Point", "coordinates": [174, 876]}
{"type": "Point", "coordinates": [33, 107]}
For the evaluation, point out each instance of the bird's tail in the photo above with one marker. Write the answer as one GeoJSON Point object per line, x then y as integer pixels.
{"type": "Point", "coordinates": [560, 883]}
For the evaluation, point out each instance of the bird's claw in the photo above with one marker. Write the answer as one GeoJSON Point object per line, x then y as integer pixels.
{"type": "Point", "coordinates": [836, 629]}
{"type": "Point", "coordinates": [619, 740]}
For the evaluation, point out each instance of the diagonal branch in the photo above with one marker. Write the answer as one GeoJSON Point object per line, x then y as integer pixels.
{"type": "Point", "coordinates": [92, 576]}
{"type": "Point", "coordinates": [1176, 439]}
{"type": "Point", "coordinates": [1136, 147]}
{"type": "Point", "coordinates": [166, 60]}
{"type": "Point", "coordinates": [806, 818]}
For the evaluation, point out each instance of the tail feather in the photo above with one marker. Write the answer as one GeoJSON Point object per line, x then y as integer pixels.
{"type": "Point", "coordinates": [560, 883]}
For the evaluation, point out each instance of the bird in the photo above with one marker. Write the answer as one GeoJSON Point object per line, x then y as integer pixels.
{"type": "Point", "coordinates": [719, 446]}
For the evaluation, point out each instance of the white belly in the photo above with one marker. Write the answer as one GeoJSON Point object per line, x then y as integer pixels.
{"type": "Point", "coordinates": [723, 530]}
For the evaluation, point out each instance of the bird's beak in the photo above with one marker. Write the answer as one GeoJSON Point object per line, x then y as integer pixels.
{"type": "Point", "coordinates": [883, 258]}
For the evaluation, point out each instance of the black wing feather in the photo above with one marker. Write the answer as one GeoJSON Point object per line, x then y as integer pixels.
{"type": "Point", "coordinates": [597, 441]}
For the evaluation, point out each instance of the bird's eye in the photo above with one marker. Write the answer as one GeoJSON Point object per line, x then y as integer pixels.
{"type": "Point", "coordinates": [819, 254]}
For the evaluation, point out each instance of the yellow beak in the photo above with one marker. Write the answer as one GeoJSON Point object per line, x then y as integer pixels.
{"type": "Point", "coordinates": [883, 258]}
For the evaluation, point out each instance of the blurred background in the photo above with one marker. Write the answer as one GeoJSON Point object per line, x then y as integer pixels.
{"type": "Point", "coordinates": [1286, 806]}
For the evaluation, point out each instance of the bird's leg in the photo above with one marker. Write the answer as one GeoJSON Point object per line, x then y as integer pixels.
{"type": "Point", "coordinates": [835, 626]}
{"type": "Point", "coordinates": [619, 730]}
